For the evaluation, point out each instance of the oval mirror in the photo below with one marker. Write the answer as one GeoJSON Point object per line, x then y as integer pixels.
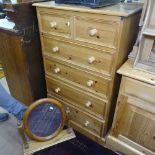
{"type": "Point", "coordinates": [44, 119]}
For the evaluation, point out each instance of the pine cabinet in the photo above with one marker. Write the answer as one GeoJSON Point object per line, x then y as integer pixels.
{"type": "Point", "coordinates": [133, 130]}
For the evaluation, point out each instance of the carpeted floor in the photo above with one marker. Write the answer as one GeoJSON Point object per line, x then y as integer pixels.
{"type": "Point", "coordinates": [78, 146]}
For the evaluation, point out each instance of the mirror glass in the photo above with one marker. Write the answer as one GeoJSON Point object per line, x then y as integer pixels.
{"type": "Point", "coordinates": [44, 119]}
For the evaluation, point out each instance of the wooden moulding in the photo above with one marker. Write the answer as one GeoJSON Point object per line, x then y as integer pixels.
{"type": "Point", "coordinates": [124, 145]}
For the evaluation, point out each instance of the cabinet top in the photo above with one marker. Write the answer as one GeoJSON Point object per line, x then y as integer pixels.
{"type": "Point", "coordinates": [120, 9]}
{"type": "Point", "coordinates": [128, 70]}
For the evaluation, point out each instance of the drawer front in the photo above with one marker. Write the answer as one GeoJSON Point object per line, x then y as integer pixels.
{"type": "Point", "coordinates": [55, 24]}
{"type": "Point", "coordinates": [92, 83]}
{"type": "Point", "coordinates": [84, 131]}
{"type": "Point", "coordinates": [77, 97]}
{"type": "Point", "coordinates": [138, 89]}
{"type": "Point", "coordinates": [84, 120]}
{"type": "Point", "coordinates": [100, 32]}
{"type": "Point", "coordinates": [91, 59]}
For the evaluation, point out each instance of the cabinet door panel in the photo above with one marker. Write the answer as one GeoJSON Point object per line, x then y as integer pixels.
{"type": "Point", "coordinates": [135, 121]}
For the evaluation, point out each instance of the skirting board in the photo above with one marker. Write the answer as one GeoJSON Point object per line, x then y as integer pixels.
{"type": "Point", "coordinates": [126, 146]}
{"type": "Point", "coordinates": [34, 146]}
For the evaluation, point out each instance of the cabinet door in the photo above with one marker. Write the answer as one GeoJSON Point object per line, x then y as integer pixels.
{"type": "Point", "coordinates": [135, 119]}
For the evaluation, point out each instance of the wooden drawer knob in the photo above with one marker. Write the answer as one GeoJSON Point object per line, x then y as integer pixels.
{"type": "Point", "coordinates": [55, 49]}
{"type": "Point", "coordinates": [57, 90]}
{"type": "Point", "coordinates": [53, 24]}
{"type": "Point", "coordinates": [93, 32]}
{"type": "Point", "coordinates": [88, 104]}
{"type": "Point", "coordinates": [90, 83]}
{"type": "Point", "coordinates": [68, 110]}
{"type": "Point", "coordinates": [91, 59]}
{"type": "Point", "coordinates": [86, 123]}
{"type": "Point", "coordinates": [57, 70]}
{"type": "Point", "coordinates": [68, 24]}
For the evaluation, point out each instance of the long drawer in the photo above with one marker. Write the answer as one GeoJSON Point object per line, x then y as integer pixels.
{"type": "Point", "coordinates": [84, 120]}
{"type": "Point", "coordinates": [84, 100]}
{"type": "Point", "coordinates": [81, 118]}
{"type": "Point", "coordinates": [92, 59]}
{"type": "Point", "coordinates": [88, 81]}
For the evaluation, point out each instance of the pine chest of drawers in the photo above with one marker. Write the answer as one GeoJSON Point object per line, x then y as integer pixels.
{"type": "Point", "coordinates": [82, 49]}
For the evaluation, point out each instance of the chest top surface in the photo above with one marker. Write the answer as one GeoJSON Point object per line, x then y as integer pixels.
{"type": "Point", "coordinates": [128, 70]}
{"type": "Point", "coordinates": [120, 9]}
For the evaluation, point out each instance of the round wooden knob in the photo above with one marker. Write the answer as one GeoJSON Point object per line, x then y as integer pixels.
{"type": "Point", "coordinates": [91, 59]}
{"type": "Point", "coordinates": [56, 70]}
{"type": "Point", "coordinates": [93, 32]}
{"type": "Point", "coordinates": [57, 90]}
{"type": "Point", "coordinates": [68, 24]}
{"type": "Point", "coordinates": [86, 123]}
{"type": "Point", "coordinates": [55, 49]}
{"type": "Point", "coordinates": [53, 24]}
{"type": "Point", "coordinates": [88, 104]}
{"type": "Point", "coordinates": [90, 83]}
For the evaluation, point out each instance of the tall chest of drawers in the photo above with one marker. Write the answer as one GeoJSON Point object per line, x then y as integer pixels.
{"type": "Point", "coordinates": [82, 49]}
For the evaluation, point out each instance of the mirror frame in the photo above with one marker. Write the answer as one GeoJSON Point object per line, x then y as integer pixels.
{"type": "Point", "coordinates": [27, 130]}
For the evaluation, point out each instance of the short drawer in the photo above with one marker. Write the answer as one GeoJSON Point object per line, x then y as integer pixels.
{"type": "Point", "coordinates": [88, 81]}
{"type": "Point", "coordinates": [55, 24]}
{"type": "Point", "coordinates": [84, 100]}
{"type": "Point", "coordinates": [138, 89]}
{"type": "Point", "coordinates": [92, 59]}
{"type": "Point", "coordinates": [84, 120]}
{"type": "Point", "coordinates": [101, 32]}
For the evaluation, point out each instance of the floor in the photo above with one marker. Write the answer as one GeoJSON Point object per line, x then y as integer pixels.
{"type": "Point", "coordinates": [11, 143]}
{"type": "Point", "coordinates": [78, 146]}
